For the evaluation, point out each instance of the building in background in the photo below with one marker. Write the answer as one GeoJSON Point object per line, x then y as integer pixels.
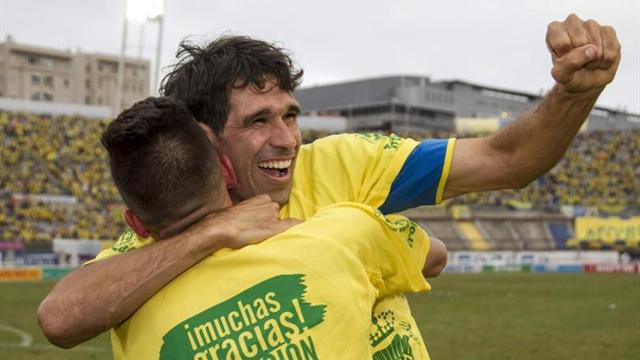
{"type": "Point", "coordinates": [416, 104]}
{"type": "Point", "coordinates": [50, 75]}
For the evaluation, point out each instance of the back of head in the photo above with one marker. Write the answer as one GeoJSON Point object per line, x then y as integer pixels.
{"type": "Point", "coordinates": [162, 162]}
{"type": "Point", "coordinates": [204, 76]}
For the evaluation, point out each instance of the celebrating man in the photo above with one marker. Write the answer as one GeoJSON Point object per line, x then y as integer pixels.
{"type": "Point", "coordinates": [241, 90]}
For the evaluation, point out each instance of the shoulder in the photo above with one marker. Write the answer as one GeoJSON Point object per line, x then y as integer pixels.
{"type": "Point", "coordinates": [356, 144]}
{"type": "Point", "coordinates": [390, 141]}
{"type": "Point", "coordinates": [350, 216]}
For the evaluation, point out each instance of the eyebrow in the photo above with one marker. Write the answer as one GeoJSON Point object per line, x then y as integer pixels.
{"type": "Point", "coordinates": [266, 111]}
{"type": "Point", "coordinates": [295, 108]}
{"type": "Point", "coordinates": [262, 112]}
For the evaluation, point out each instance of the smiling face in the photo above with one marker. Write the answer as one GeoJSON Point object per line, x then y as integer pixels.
{"type": "Point", "coordinates": [261, 138]}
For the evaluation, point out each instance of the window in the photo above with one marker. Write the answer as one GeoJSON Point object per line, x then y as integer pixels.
{"type": "Point", "coordinates": [48, 81]}
{"type": "Point", "coordinates": [87, 84]}
{"type": "Point", "coordinates": [35, 79]}
{"type": "Point", "coordinates": [66, 83]}
{"type": "Point", "coordinates": [47, 97]}
{"type": "Point", "coordinates": [33, 60]}
{"type": "Point", "coordinates": [48, 63]}
{"type": "Point", "coordinates": [87, 100]}
{"type": "Point", "coordinates": [35, 96]}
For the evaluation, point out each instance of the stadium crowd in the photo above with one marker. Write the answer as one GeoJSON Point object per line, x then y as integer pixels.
{"type": "Point", "coordinates": [600, 169]}
{"type": "Point", "coordinates": [55, 181]}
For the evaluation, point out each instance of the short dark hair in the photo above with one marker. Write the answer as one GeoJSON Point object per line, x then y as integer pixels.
{"type": "Point", "coordinates": [203, 77]}
{"type": "Point", "coordinates": [161, 160]}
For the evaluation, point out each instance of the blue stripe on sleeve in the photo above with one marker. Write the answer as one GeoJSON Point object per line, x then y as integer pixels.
{"type": "Point", "coordinates": [417, 182]}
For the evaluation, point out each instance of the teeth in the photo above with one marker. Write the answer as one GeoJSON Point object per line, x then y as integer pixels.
{"type": "Point", "coordinates": [275, 164]}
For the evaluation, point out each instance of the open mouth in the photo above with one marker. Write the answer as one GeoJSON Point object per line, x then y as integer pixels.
{"type": "Point", "coordinates": [276, 168]}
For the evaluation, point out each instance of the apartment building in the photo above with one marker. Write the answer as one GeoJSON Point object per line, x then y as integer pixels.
{"type": "Point", "coordinates": [43, 74]}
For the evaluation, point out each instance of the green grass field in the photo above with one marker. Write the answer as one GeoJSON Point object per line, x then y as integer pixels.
{"type": "Point", "coordinates": [466, 316]}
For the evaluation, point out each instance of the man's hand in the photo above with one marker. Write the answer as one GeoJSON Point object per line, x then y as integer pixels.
{"type": "Point", "coordinates": [248, 222]}
{"type": "Point", "coordinates": [585, 54]}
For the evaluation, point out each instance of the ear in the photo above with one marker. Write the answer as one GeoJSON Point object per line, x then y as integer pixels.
{"type": "Point", "coordinates": [136, 224]}
{"type": "Point", "coordinates": [226, 168]}
{"type": "Point", "coordinates": [208, 131]}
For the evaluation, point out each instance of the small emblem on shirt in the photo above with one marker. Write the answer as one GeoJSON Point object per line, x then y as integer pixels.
{"type": "Point", "coordinates": [392, 141]}
{"type": "Point", "coordinates": [384, 326]}
{"type": "Point", "coordinates": [125, 242]}
{"type": "Point", "coordinates": [400, 225]}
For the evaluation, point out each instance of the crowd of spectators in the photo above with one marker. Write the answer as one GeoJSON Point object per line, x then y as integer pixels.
{"type": "Point", "coordinates": [61, 158]}
{"type": "Point", "coordinates": [55, 181]}
{"type": "Point", "coordinates": [601, 169]}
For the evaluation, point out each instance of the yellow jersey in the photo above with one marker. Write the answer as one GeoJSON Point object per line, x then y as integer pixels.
{"type": "Point", "coordinates": [357, 168]}
{"type": "Point", "coordinates": [306, 293]}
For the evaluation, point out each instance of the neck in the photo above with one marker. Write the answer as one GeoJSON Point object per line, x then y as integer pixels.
{"type": "Point", "coordinates": [193, 216]}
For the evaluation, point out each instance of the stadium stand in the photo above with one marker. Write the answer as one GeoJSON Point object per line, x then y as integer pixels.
{"type": "Point", "coordinates": [601, 169]}
{"type": "Point", "coordinates": [560, 233]}
{"type": "Point", "coordinates": [55, 183]}
{"type": "Point", "coordinates": [473, 234]}
{"type": "Point", "coordinates": [502, 234]}
{"type": "Point", "coordinates": [54, 180]}
{"type": "Point", "coordinates": [445, 229]}
{"type": "Point", "coordinates": [533, 235]}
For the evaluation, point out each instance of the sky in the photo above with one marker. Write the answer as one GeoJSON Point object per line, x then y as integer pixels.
{"type": "Point", "coordinates": [489, 42]}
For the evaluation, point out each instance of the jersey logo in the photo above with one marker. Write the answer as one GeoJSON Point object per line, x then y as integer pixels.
{"type": "Point", "coordinates": [400, 224]}
{"type": "Point", "coordinates": [270, 320]}
{"type": "Point", "coordinates": [125, 242]}
{"type": "Point", "coordinates": [383, 326]}
{"type": "Point", "coordinates": [390, 142]}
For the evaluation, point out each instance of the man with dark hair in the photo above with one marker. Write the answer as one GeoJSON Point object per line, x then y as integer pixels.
{"type": "Point", "coordinates": [165, 169]}
{"type": "Point", "coordinates": [255, 130]}
{"type": "Point", "coordinates": [167, 172]}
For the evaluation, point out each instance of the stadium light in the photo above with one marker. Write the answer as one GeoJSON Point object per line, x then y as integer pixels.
{"type": "Point", "coordinates": [144, 10]}
{"type": "Point", "coordinates": [139, 11]}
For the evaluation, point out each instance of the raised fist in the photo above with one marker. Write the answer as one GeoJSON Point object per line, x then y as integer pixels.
{"type": "Point", "coordinates": [585, 54]}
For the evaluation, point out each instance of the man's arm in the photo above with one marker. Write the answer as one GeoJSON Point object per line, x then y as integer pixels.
{"type": "Point", "coordinates": [97, 297]}
{"type": "Point", "coordinates": [585, 59]}
{"type": "Point", "coordinates": [436, 259]}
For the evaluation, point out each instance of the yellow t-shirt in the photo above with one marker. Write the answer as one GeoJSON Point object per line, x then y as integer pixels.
{"type": "Point", "coordinates": [348, 167]}
{"type": "Point", "coordinates": [306, 293]}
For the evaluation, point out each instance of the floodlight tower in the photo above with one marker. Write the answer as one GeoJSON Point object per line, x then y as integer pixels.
{"type": "Point", "coordinates": [139, 11]}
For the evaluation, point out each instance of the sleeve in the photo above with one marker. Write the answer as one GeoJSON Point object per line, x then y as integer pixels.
{"type": "Point", "coordinates": [402, 253]}
{"type": "Point", "coordinates": [351, 167]}
{"type": "Point", "coordinates": [392, 249]}
{"type": "Point", "coordinates": [126, 242]}
{"type": "Point", "coordinates": [422, 178]}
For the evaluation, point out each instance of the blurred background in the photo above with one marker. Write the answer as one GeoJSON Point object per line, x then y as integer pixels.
{"type": "Point", "coordinates": [551, 270]}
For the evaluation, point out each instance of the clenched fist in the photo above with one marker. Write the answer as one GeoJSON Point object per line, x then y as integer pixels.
{"type": "Point", "coordinates": [585, 54]}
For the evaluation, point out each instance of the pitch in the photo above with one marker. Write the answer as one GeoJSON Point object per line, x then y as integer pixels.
{"type": "Point", "coordinates": [467, 316]}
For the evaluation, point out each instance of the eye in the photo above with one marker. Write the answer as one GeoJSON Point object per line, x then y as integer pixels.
{"type": "Point", "coordinates": [291, 116]}
{"type": "Point", "coordinates": [258, 121]}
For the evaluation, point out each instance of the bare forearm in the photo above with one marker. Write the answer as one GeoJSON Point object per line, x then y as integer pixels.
{"type": "Point", "coordinates": [585, 59]}
{"type": "Point", "coordinates": [537, 141]}
{"type": "Point", "coordinates": [99, 296]}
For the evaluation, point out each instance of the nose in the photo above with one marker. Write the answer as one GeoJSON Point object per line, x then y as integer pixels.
{"type": "Point", "coordinates": [283, 135]}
